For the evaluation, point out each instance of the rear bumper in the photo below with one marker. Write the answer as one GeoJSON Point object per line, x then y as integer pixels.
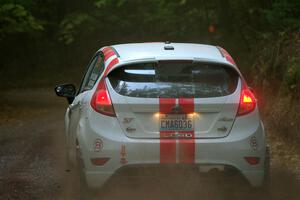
{"type": "Point", "coordinates": [123, 151]}
{"type": "Point", "coordinates": [96, 179]}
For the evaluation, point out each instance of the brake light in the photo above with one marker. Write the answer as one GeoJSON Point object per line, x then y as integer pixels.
{"type": "Point", "coordinates": [247, 102]}
{"type": "Point", "coordinates": [101, 101]}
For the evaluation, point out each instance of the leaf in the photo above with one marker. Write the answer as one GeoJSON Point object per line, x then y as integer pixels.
{"type": "Point", "coordinates": [70, 26]}
{"type": "Point", "coordinates": [15, 18]}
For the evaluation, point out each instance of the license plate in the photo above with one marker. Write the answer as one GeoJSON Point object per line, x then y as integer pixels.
{"type": "Point", "coordinates": [176, 122]}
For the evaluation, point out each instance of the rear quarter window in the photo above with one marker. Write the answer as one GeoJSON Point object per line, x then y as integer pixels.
{"type": "Point", "coordinates": [173, 79]}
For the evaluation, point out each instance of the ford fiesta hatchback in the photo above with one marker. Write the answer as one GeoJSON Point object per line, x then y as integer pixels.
{"type": "Point", "coordinates": [163, 103]}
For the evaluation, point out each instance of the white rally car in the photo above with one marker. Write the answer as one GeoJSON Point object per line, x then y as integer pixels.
{"type": "Point", "coordinates": [164, 103]}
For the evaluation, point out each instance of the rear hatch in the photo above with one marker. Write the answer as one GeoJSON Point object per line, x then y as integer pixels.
{"type": "Point", "coordinates": [178, 98]}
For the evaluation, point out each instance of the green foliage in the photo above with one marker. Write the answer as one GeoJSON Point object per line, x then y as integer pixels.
{"type": "Point", "coordinates": [15, 18]}
{"type": "Point", "coordinates": [70, 26]}
{"type": "Point", "coordinates": [71, 31]}
{"type": "Point", "coordinates": [103, 3]}
{"type": "Point", "coordinates": [26, 4]}
{"type": "Point", "coordinates": [292, 75]}
{"type": "Point", "coordinates": [167, 19]}
{"type": "Point", "coordinates": [284, 13]}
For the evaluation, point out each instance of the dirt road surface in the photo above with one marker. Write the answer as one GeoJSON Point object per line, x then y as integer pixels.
{"type": "Point", "coordinates": [32, 162]}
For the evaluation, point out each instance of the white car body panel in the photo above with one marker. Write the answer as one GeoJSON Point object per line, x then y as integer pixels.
{"type": "Point", "coordinates": [154, 50]}
{"type": "Point", "coordinates": [143, 110]}
{"type": "Point", "coordinates": [86, 125]}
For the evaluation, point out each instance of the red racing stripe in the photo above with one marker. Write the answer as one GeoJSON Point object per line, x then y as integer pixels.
{"type": "Point", "coordinates": [108, 52]}
{"type": "Point", "coordinates": [167, 148]}
{"type": "Point", "coordinates": [111, 64]}
{"type": "Point", "coordinates": [187, 145]}
{"type": "Point", "coordinates": [167, 145]}
{"type": "Point", "coordinates": [106, 49]}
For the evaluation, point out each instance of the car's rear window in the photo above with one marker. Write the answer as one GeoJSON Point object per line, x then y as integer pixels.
{"type": "Point", "coordinates": [174, 79]}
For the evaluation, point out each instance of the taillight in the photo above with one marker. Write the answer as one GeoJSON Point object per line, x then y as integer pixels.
{"type": "Point", "coordinates": [101, 101]}
{"type": "Point", "coordinates": [247, 101]}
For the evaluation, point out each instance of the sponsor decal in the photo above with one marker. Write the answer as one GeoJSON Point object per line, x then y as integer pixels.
{"type": "Point", "coordinates": [98, 145]}
{"type": "Point", "coordinates": [127, 120]}
{"type": "Point", "coordinates": [225, 119]}
{"type": "Point", "coordinates": [253, 143]}
{"type": "Point", "coordinates": [123, 154]}
{"type": "Point", "coordinates": [178, 135]}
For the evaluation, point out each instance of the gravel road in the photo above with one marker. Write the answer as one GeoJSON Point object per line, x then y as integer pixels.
{"type": "Point", "coordinates": [32, 164]}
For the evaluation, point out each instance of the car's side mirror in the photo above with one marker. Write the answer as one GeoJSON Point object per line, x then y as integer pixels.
{"type": "Point", "coordinates": [66, 90]}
